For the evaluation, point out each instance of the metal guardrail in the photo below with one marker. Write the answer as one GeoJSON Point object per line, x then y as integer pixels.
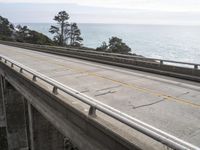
{"type": "Point", "coordinates": [161, 61]}
{"type": "Point", "coordinates": [158, 135]}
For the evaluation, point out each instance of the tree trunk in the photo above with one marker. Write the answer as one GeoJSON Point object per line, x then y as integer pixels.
{"type": "Point", "coordinates": [62, 34]}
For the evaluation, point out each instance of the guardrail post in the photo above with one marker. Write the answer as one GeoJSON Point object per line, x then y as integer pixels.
{"type": "Point", "coordinates": [34, 78]}
{"type": "Point", "coordinates": [55, 90]}
{"type": "Point", "coordinates": [21, 70]}
{"type": "Point", "coordinates": [92, 111]}
{"type": "Point", "coordinates": [12, 65]}
{"type": "Point", "coordinates": [5, 61]}
{"type": "Point", "coordinates": [161, 62]}
{"type": "Point", "coordinates": [195, 67]}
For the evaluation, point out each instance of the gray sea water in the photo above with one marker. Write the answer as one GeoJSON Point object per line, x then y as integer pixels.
{"type": "Point", "coordinates": [180, 43]}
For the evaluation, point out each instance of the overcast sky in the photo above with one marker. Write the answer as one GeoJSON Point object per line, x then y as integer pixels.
{"type": "Point", "coordinates": [184, 12]}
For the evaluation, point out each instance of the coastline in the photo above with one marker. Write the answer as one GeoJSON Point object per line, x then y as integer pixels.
{"type": "Point", "coordinates": [166, 42]}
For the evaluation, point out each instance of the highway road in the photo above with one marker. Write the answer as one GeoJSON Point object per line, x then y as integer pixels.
{"type": "Point", "coordinates": [169, 104]}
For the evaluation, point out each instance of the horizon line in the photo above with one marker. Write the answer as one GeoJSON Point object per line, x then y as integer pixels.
{"type": "Point", "coordinates": [161, 24]}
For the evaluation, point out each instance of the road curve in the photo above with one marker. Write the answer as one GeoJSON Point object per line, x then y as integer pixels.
{"type": "Point", "coordinates": [170, 104]}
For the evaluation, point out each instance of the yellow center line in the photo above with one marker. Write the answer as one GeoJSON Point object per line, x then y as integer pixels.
{"type": "Point", "coordinates": [148, 91]}
{"type": "Point", "coordinates": [132, 86]}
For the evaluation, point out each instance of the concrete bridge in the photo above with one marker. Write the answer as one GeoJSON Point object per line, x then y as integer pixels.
{"type": "Point", "coordinates": [98, 101]}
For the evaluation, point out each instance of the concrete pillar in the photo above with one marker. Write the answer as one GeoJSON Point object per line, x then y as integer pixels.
{"type": "Point", "coordinates": [1, 108]}
{"type": "Point", "coordinates": [43, 135]}
{"type": "Point", "coordinates": [3, 134]}
{"type": "Point", "coordinates": [15, 113]}
{"type": "Point", "coordinates": [2, 117]}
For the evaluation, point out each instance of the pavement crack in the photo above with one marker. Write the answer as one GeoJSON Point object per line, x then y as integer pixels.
{"type": "Point", "coordinates": [105, 93]}
{"type": "Point", "coordinates": [146, 105]}
{"type": "Point", "coordinates": [183, 94]}
{"type": "Point", "coordinates": [108, 88]}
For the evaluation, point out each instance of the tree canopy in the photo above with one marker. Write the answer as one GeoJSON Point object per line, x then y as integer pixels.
{"type": "Point", "coordinates": [115, 45]}
{"type": "Point", "coordinates": [75, 35]}
{"type": "Point", "coordinates": [60, 31]}
{"type": "Point", "coordinates": [20, 33]}
{"type": "Point", "coordinates": [66, 33]}
{"type": "Point", "coordinates": [23, 34]}
{"type": "Point", "coordinates": [6, 28]}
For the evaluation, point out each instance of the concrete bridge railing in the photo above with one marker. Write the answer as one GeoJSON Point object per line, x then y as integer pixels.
{"type": "Point", "coordinates": [184, 70]}
{"type": "Point", "coordinates": [156, 134]}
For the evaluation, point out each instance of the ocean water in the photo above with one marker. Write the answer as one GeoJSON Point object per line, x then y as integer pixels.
{"type": "Point", "coordinates": [180, 43]}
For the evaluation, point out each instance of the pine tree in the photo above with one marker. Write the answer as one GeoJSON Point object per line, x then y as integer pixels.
{"type": "Point", "coordinates": [61, 30]}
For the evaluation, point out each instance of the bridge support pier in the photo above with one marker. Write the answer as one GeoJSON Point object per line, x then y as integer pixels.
{"type": "Point", "coordinates": [2, 116]}
{"type": "Point", "coordinates": [15, 113]}
{"type": "Point", "coordinates": [43, 135]}
{"type": "Point", "coordinates": [3, 135]}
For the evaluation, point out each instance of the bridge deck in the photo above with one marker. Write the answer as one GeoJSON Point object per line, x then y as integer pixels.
{"type": "Point", "coordinates": [170, 104]}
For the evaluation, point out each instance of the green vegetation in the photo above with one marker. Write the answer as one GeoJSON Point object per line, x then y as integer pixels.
{"type": "Point", "coordinates": [66, 34]}
{"type": "Point", "coordinates": [6, 29]}
{"type": "Point", "coordinates": [21, 34]}
{"type": "Point", "coordinates": [115, 45]}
